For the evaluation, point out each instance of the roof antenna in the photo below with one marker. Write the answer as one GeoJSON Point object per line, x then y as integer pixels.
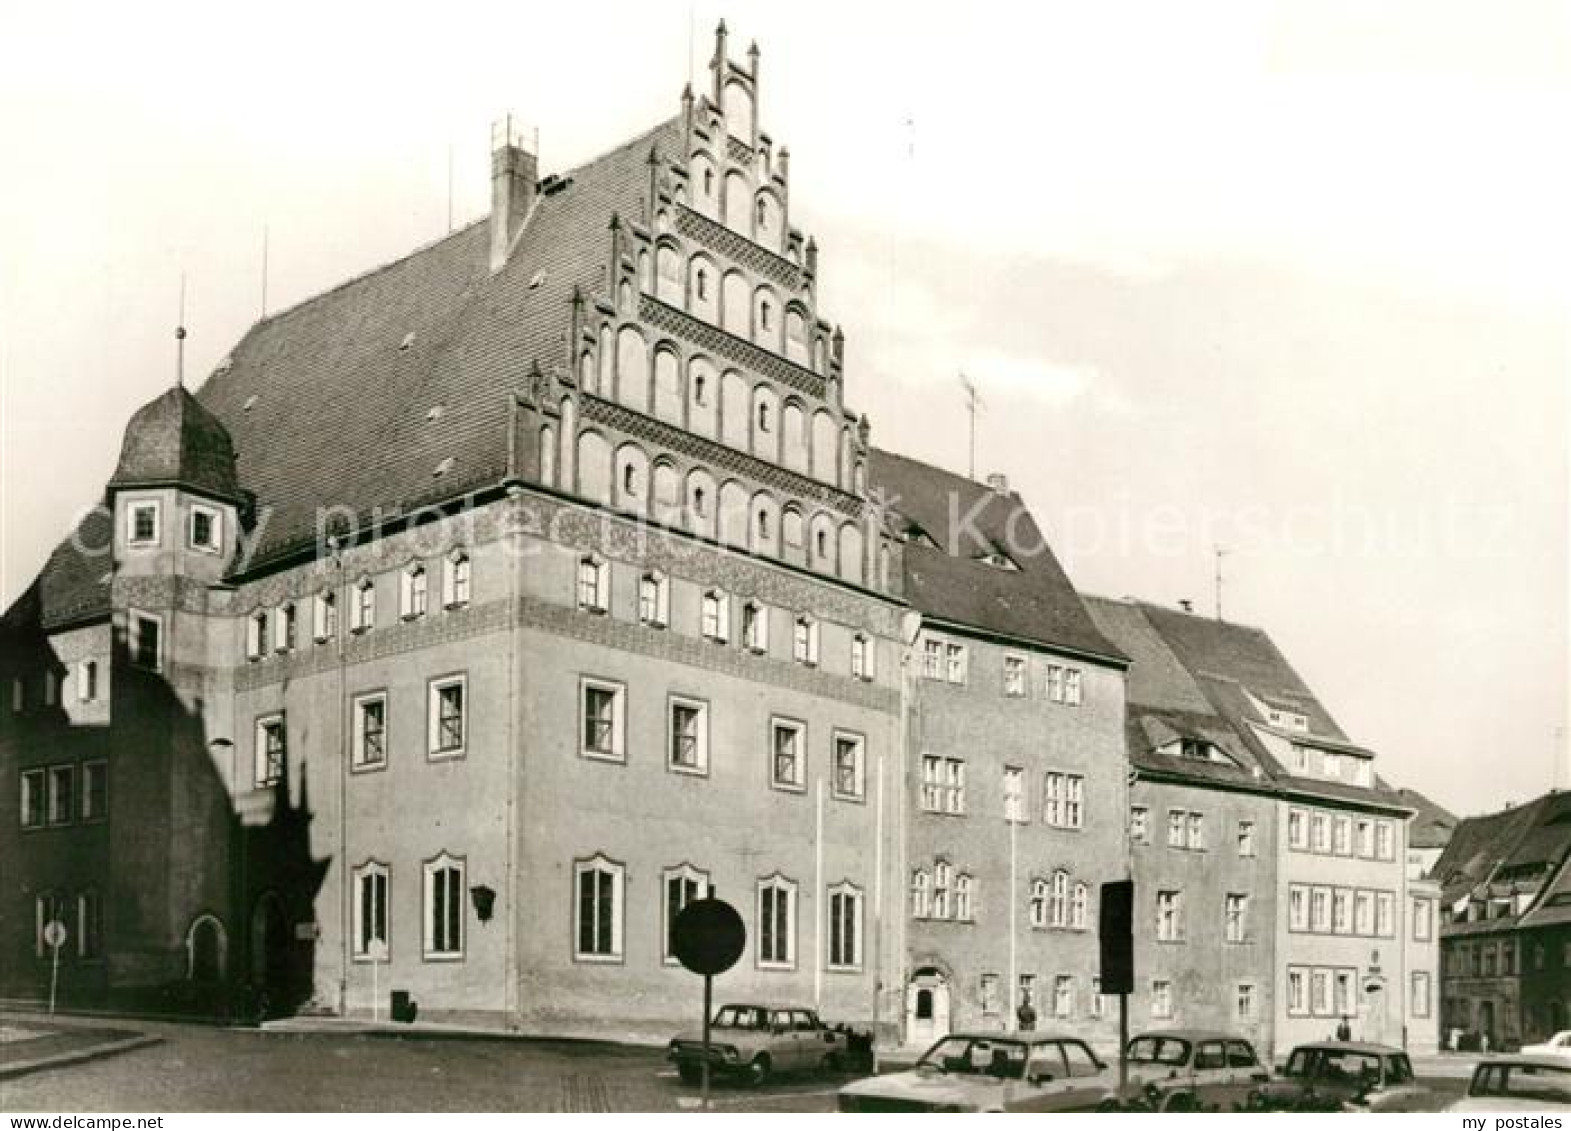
{"type": "Point", "coordinates": [690, 43]}
{"type": "Point", "coordinates": [450, 188]}
{"type": "Point", "coordinates": [264, 270]}
{"type": "Point", "coordinates": [973, 403]}
{"type": "Point", "coordinates": [1220, 552]}
{"type": "Point", "coordinates": [180, 338]}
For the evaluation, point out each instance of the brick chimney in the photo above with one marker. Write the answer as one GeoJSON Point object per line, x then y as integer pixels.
{"type": "Point", "coordinates": [998, 482]}
{"type": "Point", "coordinates": [513, 173]}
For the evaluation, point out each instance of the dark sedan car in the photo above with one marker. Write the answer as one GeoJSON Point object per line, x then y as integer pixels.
{"type": "Point", "coordinates": [1345, 1076]}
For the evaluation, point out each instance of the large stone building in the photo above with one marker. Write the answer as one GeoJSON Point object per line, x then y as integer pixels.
{"type": "Point", "coordinates": [475, 615]}
{"type": "Point", "coordinates": [1268, 856]}
{"type": "Point", "coordinates": [1506, 925]}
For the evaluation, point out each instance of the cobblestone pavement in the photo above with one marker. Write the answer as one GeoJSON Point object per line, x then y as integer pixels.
{"type": "Point", "coordinates": [202, 1068]}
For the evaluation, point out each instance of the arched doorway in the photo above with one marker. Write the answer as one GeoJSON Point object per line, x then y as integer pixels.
{"type": "Point", "coordinates": [927, 1006]}
{"type": "Point", "coordinates": [1374, 1026]}
{"type": "Point", "coordinates": [206, 950]}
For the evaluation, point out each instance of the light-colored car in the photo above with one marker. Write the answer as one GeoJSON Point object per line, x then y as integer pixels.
{"type": "Point", "coordinates": [1347, 1075]}
{"type": "Point", "coordinates": [991, 1072]}
{"type": "Point", "coordinates": [1522, 1082]}
{"type": "Point", "coordinates": [1194, 1069]}
{"type": "Point", "coordinates": [753, 1042]}
{"type": "Point", "coordinates": [1558, 1045]}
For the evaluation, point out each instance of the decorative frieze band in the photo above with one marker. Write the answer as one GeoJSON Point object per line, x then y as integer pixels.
{"type": "Point", "coordinates": [737, 247]}
{"type": "Point", "coordinates": [683, 325]}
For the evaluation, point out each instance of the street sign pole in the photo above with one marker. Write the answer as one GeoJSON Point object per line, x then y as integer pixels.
{"type": "Point", "coordinates": [54, 938]}
{"type": "Point", "coordinates": [708, 984]}
{"type": "Point", "coordinates": [54, 978]}
{"type": "Point", "coordinates": [1123, 1045]}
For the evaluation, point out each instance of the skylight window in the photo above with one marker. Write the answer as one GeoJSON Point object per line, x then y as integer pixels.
{"type": "Point", "coordinates": [443, 468]}
{"type": "Point", "coordinates": [409, 341]}
{"type": "Point", "coordinates": [434, 413]}
{"type": "Point", "coordinates": [250, 403]}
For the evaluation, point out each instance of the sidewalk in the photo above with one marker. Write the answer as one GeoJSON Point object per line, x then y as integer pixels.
{"type": "Point", "coordinates": [35, 1042]}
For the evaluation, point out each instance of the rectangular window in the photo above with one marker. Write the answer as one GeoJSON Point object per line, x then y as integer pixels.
{"type": "Point", "coordinates": [955, 663]}
{"type": "Point", "coordinates": [147, 641]}
{"type": "Point", "coordinates": [1297, 992]}
{"type": "Point", "coordinates": [33, 790]}
{"type": "Point", "coordinates": [1384, 841]}
{"type": "Point", "coordinates": [592, 575]}
{"type": "Point", "coordinates": [989, 995]}
{"type": "Point", "coordinates": [654, 600]}
{"type": "Point", "coordinates": [598, 910]}
{"type": "Point", "coordinates": [785, 764]}
{"type": "Point", "coordinates": [1197, 831]}
{"type": "Point", "coordinates": [689, 741]}
{"type": "Point", "coordinates": [270, 750]}
{"type": "Point", "coordinates": [933, 659]}
{"type": "Point", "coordinates": [206, 529]}
{"type": "Point", "coordinates": [845, 928]}
{"type": "Point", "coordinates": [849, 773]}
{"type": "Point", "coordinates": [1072, 687]}
{"type": "Point", "coordinates": [370, 731]}
{"type": "Point", "coordinates": [1420, 993]}
{"type": "Point", "coordinates": [324, 615]}
{"type": "Point", "coordinates": [95, 790]}
{"type": "Point", "coordinates": [444, 908]}
{"type": "Point", "coordinates": [1320, 829]}
{"type": "Point", "coordinates": [284, 628]}
{"type": "Point", "coordinates": [62, 794]}
{"type": "Point", "coordinates": [1342, 841]}
{"type": "Point", "coordinates": [18, 695]}
{"type": "Point", "coordinates": [755, 627]}
{"type": "Point", "coordinates": [1320, 992]}
{"type": "Point", "coordinates": [1055, 683]}
{"type": "Point", "coordinates": [1139, 824]}
{"type": "Point", "coordinates": [932, 783]}
{"type": "Point", "coordinates": [144, 519]}
{"type": "Point", "coordinates": [446, 721]}
{"type": "Point", "coordinates": [804, 641]}
{"type": "Point", "coordinates": [1236, 917]}
{"type": "Point", "coordinates": [1300, 759]}
{"type": "Point", "coordinates": [1028, 989]}
{"type": "Point", "coordinates": [1297, 907]}
{"type": "Point", "coordinates": [776, 923]}
{"type": "Point", "coordinates": [1364, 913]}
{"type": "Point", "coordinates": [603, 712]}
{"type": "Point", "coordinates": [1063, 800]}
{"type": "Point", "coordinates": [370, 911]}
{"type": "Point", "coordinates": [1096, 997]}
{"type": "Point", "coordinates": [1177, 829]}
{"type": "Point", "coordinates": [1014, 793]}
{"type": "Point", "coordinates": [1297, 829]}
{"type": "Point", "coordinates": [1331, 764]}
{"type": "Point", "coordinates": [1246, 838]}
{"type": "Point", "coordinates": [1345, 1004]}
{"type": "Point", "coordinates": [1364, 833]}
{"type": "Point", "coordinates": [364, 618]}
{"type": "Point", "coordinates": [1014, 677]}
{"type": "Point", "coordinates": [1161, 998]}
{"type": "Point", "coordinates": [1244, 1001]}
{"type": "Point", "coordinates": [1342, 911]}
{"type": "Point", "coordinates": [861, 657]}
{"type": "Point", "coordinates": [89, 925]}
{"type": "Point", "coordinates": [1383, 914]}
{"type": "Point", "coordinates": [1423, 920]}
{"type": "Point", "coordinates": [1320, 910]}
{"type": "Point", "coordinates": [1169, 916]}
{"type": "Point", "coordinates": [954, 785]}
{"type": "Point", "coordinates": [87, 681]}
{"type": "Point", "coordinates": [455, 580]}
{"type": "Point", "coordinates": [715, 617]}
{"type": "Point", "coordinates": [1063, 996]}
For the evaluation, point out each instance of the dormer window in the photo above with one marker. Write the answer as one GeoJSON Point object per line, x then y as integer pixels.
{"type": "Point", "coordinates": [206, 529]}
{"type": "Point", "coordinates": [144, 523]}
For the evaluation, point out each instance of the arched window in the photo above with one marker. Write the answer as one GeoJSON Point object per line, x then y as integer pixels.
{"type": "Point", "coordinates": [668, 275]}
{"type": "Point", "coordinates": [943, 886]}
{"type": "Point", "coordinates": [632, 477]}
{"type": "Point", "coordinates": [796, 337]}
{"type": "Point", "coordinates": [776, 922]}
{"type": "Point", "coordinates": [826, 445]}
{"type": "Point", "coordinates": [607, 362]}
{"type": "Point", "coordinates": [738, 204]}
{"type": "Point", "coordinates": [598, 909]}
{"type": "Point", "coordinates": [1039, 903]}
{"type": "Point", "coordinates": [702, 396]}
{"type": "Point", "coordinates": [963, 909]}
{"type": "Point", "coordinates": [594, 467]}
{"type": "Point", "coordinates": [735, 413]}
{"type": "Point", "coordinates": [701, 502]}
{"type": "Point", "coordinates": [668, 385]}
{"type": "Point", "coordinates": [586, 371]}
{"type": "Point", "coordinates": [547, 456]}
{"type": "Point", "coordinates": [412, 592]}
{"type": "Point", "coordinates": [735, 304]}
{"type": "Point", "coordinates": [632, 369]}
{"type": "Point", "coordinates": [766, 522]}
{"type": "Point", "coordinates": [733, 514]}
{"type": "Point", "coordinates": [793, 427]}
{"type": "Point", "coordinates": [1058, 908]}
{"type": "Point", "coordinates": [455, 581]}
{"type": "Point", "coordinates": [667, 494]}
{"type": "Point", "coordinates": [850, 553]}
{"type": "Point", "coordinates": [845, 927]}
{"type": "Point", "coordinates": [736, 103]}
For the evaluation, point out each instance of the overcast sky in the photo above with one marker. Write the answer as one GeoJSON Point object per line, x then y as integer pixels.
{"type": "Point", "coordinates": [1287, 277]}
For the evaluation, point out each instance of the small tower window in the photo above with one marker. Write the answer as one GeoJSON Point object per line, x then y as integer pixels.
{"type": "Point", "coordinates": [763, 315]}
{"type": "Point", "coordinates": [144, 523]}
{"type": "Point", "coordinates": [763, 418]}
{"type": "Point", "coordinates": [206, 529]}
{"type": "Point", "coordinates": [709, 182]}
{"type": "Point", "coordinates": [761, 213]}
{"type": "Point", "coordinates": [701, 284]}
{"type": "Point", "coordinates": [700, 390]}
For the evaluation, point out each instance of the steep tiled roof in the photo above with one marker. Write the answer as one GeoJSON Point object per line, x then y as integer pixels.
{"type": "Point", "coordinates": [1432, 824]}
{"type": "Point", "coordinates": [953, 522]}
{"type": "Point", "coordinates": [174, 440]}
{"type": "Point", "coordinates": [328, 403]}
{"type": "Point", "coordinates": [1520, 844]}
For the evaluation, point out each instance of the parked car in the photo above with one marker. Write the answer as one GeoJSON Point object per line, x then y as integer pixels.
{"type": "Point", "coordinates": [991, 1072]}
{"type": "Point", "coordinates": [753, 1042]}
{"type": "Point", "coordinates": [1346, 1076]}
{"type": "Point", "coordinates": [1521, 1082]}
{"type": "Point", "coordinates": [1559, 1044]}
{"type": "Point", "coordinates": [1193, 1070]}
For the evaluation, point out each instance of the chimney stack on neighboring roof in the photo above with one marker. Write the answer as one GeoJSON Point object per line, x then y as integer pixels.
{"type": "Point", "coordinates": [1187, 605]}
{"type": "Point", "coordinates": [513, 174]}
{"type": "Point", "coordinates": [999, 483]}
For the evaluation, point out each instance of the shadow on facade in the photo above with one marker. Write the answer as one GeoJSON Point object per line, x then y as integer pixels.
{"type": "Point", "coordinates": [186, 897]}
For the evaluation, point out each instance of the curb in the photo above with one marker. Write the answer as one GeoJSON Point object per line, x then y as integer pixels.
{"type": "Point", "coordinates": [292, 1028]}
{"type": "Point", "coordinates": [79, 1056]}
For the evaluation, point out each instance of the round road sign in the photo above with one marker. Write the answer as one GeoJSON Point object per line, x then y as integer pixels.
{"type": "Point", "coordinates": [708, 936]}
{"type": "Point", "coordinates": [54, 934]}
